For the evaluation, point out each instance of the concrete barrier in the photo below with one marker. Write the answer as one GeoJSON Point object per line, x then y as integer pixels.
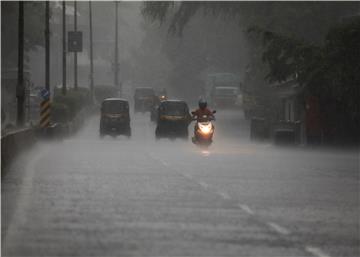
{"type": "Point", "coordinates": [13, 143]}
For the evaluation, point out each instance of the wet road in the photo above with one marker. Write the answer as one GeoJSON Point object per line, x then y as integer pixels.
{"type": "Point", "coordinates": [87, 196]}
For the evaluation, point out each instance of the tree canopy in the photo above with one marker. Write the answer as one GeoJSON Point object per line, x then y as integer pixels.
{"type": "Point", "coordinates": [315, 43]}
{"type": "Point", "coordinates": [34, 19]}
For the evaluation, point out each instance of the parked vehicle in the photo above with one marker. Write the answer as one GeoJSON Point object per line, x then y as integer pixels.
{"type": "Point", "coordinates": [204, 130]}
{"type": "Point", "coordinates": [115, 117]}
{"type": "Point", "coordinates": [173, 119]}
{"type": "Point", "coordinates": [144, 98]}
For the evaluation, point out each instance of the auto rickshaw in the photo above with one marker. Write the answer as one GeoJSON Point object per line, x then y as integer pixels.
{"type": "Point", "coordinates": [173, 119]}
{"type": "Point", "coordinates": [115, 117]}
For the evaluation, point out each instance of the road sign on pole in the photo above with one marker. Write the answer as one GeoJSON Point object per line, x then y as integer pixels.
{"type": "Point", "coordinates": [75, 41]}
{"type": "Point", "coordinates": [44, 93]}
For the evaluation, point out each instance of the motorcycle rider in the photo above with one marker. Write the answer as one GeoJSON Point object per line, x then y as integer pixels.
{"type": "Point", "coordinates": [199, 113]}
{"type": "Point", "coordinates": [203, 110]}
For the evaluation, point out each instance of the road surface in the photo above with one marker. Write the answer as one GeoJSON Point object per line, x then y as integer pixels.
{"type": "Point", "coordinates": [87, 196]}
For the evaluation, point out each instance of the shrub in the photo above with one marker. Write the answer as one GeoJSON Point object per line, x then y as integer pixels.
{"type": "Point", "coordinates": [66, 107]}
{"type": "Point", "coordinates": [60, 112]}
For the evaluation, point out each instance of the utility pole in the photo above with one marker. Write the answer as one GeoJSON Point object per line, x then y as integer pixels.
{"type": "Point", "coordinates": [64, 49]}
{"type": "Point", "coordinates": [20, 90]}
{"type": "Point", "coordinates": [47, 46]}
{"type": "Point", "coordinates": [116, 64]}
{"type": "Point", "coordinates": [91, 55]}
{"type": "Point", "coordinates": [75, 53]}
{"type": "Point", "coordinates": [45, 110]}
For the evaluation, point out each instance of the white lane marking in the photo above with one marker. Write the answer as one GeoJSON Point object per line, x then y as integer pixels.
{"type": "Point", "coordinates": [278, 228]}
{"type": "Point", "coordinates": [224, 195]}
{"type": "Point", "coordinates": [203, 184]}
{"type": "Point", "coordinates": [316, 251]}
{"type": "Point", "coordinates": [246, 208]}
{"type": "Point", "coordinates": [188, 176]}
{"type": "Point", "coordinates": [159, 160]}
{"type": "Point", "coordinates": [164, 163]}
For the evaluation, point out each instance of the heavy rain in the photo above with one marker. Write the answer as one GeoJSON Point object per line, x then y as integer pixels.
{"type": "Point", "coordinates": [176, 128]}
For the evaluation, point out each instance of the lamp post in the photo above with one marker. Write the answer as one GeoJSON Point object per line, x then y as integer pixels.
{"type": "Point", "coordinates": [47, 46]}
{"type": "Point", "coordinates": [91, 55]}
{"type": "Point", "coordinates": [75, 53]}
{"type": "Point", "coordinates": [116, 64]}
{"type": "Point", "coordinates": [20, 90]}
{"type": "Point", "coordinates": [63, 49]}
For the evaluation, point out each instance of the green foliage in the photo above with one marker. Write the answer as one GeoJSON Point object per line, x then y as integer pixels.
{"type": "Point", "coordinates": [308, 20]}
{"type": "Point", "coordinates": [156, 10]}
{"type": "Point", "coordinates": [60, 112]}
{"type": "Point", "coordinates": [289, 58]}
{"type": "Point", "coordinates": [301, 40]}
{"type": "Point", "coordinates": [34, 21]}
{"type": "Point", "coordinates": [331, 72]}
{"type": "Point", "coordinates": [341, 67]}
{"type": "Point", "coordinates": [71, 103]}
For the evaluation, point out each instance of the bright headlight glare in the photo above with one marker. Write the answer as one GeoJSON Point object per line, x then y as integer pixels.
{"type": "Point", "coordinates": [205, 128]}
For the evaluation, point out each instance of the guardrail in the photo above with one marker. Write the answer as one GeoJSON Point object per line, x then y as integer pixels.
{"type": "Point", "coordinates": [13, 143]}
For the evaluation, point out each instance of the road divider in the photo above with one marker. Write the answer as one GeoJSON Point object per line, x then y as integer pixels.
{"type": "Point", "coordinates": [13, 143]}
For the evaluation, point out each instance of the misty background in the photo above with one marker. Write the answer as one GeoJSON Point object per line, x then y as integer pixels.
{"type": "Point", "coordinates": [176, 45]}
{"type": "Point", "coordinates": [149, 55]}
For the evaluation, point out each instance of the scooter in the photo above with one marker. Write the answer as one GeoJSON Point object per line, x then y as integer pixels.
{"type": "Point", "coordinates": [204, 130]}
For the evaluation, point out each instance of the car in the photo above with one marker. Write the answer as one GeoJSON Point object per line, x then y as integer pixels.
{"type": "Point", "coordinates": [115, 117]}
{"type": "Point", "coordinates": [224, 96]}
{"type": "Point", "coordinates": [144, 98]}
{"type": "Point", "coordinates": [173, 119]}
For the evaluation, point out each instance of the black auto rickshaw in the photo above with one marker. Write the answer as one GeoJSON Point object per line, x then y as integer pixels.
{"type": "Point", "coordinates": [144, 99]}
{"type": "Point", "coordinates": [115, 117]}
{"type": "Point", "coordinates": [173, 119]}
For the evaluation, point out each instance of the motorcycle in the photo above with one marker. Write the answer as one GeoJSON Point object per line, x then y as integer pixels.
{"type": "Point", "coordinates": [204, 130]}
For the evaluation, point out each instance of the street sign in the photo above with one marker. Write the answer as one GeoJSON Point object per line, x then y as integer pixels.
{"type": "Point", "coordinates": [75, 41]}
{"type": "Point", "coordinates": [44, 93]}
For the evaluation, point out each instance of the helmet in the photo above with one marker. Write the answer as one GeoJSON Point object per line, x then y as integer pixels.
{"type": "Point", "coordinates": [202, 103]}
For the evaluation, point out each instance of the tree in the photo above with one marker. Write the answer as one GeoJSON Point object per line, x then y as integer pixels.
{"type": "Point", "coordinates": [304, 21]}
{"type": "Point", "coordinates": [302, 40]}
{"type": "Point", "coordinates": [330, 72]}
{"type": "Point", "coordinates": [34, 15]}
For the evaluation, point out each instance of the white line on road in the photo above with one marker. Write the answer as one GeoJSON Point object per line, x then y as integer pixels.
{"type": "Point", "coordinates": [164, 163]}
{"type": "Point", "coordinates": [316, 251]}
{"type": "Point", "coordinates": [188, 176]}
{"type": "Point", "coordinates": [224, 195]}
{"type": "Point", "coordinates": [246, 208]}
{"type": "Point", "coordinates": [278, 228]}
{"type": "Point", "coordinates": [203, 184]}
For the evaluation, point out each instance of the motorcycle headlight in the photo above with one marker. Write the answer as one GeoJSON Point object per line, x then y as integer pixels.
{"type": "Point", "coordinates": [206, 129]}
